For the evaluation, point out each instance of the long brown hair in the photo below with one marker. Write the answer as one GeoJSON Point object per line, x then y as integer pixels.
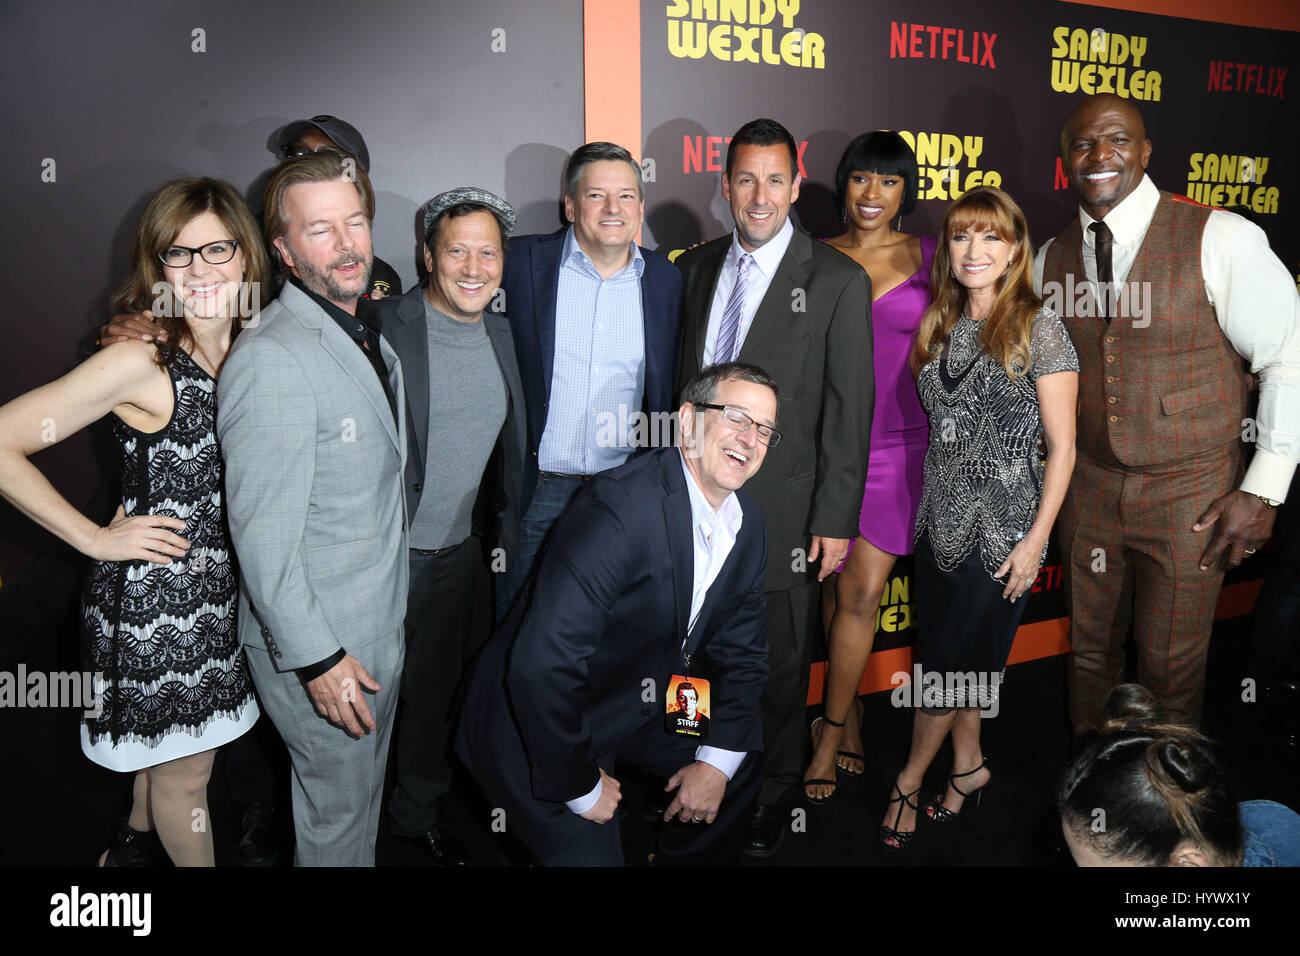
{"type": "Point", "coordinates": [169, 211]}
{"type": "Point", "coordinates": [1005, 332]}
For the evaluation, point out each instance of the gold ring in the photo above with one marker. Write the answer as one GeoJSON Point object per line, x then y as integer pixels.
{"type": "Point", "coordinates": [1250, 550]}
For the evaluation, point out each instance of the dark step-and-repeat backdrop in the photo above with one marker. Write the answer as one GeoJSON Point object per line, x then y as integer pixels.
{"type": "Point", "coordinates": [104, 102]}
{"type": "Point", "coordinates": [980, 91]}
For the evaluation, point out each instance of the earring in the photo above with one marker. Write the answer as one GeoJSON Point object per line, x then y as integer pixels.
{"type": "Point", "coordinates": [898, 226]}
{"type": "Point", "coordinates": [844, 214]}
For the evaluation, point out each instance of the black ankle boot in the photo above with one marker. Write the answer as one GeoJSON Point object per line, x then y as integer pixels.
{"type": "Point", "coordinates": [134, 848]}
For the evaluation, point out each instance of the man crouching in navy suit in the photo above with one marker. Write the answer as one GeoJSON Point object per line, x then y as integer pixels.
{"type": "Point", "coordinates": [655, 576]}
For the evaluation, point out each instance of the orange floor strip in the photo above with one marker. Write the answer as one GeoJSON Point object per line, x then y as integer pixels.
{"type": "Point", "coordinates": [1033, 641]}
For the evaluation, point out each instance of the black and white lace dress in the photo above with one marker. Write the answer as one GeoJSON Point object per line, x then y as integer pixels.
{"type": "Point", "coordinates": [163, 636]}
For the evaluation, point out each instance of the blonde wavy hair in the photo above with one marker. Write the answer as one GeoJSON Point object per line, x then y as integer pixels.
{"type": "Point", "coordinates": [1005, 333]}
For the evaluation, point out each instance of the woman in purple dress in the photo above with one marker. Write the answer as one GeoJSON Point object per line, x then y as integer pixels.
{"type": "Point", "coordinates": [876, 183]}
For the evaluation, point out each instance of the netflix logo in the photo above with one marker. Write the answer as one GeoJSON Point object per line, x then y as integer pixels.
{"type": "Point", "coordinates": [708, 154]}
{"type": "Point", "coordinates": [1228, 77]}
{"type": "Point", "coordinates": [914, 40]}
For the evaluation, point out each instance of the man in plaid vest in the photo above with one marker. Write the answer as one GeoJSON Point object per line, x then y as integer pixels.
{"type": "Point", "coordinates": [1169, 304]}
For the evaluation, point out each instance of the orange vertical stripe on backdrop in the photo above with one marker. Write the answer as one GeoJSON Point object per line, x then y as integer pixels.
{"type": "Point", "coordinates": [611, 68]}
{"type": "Point", "coordinates": [611, 45]}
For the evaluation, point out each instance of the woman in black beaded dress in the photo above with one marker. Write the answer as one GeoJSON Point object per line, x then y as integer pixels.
{"type": "Point", "coordinates": [159, 611]}
{"type": "Point", "coordinates": [996, 372]}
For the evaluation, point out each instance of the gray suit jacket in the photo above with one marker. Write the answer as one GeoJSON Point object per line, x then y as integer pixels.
{"type": "Point", "coordinates": [313, 486]}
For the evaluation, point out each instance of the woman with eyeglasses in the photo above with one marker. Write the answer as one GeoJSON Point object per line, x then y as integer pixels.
{"type": "Point", "coordinates": [159, 610]}
{"type": "Point", "coordinates": [996, 371]}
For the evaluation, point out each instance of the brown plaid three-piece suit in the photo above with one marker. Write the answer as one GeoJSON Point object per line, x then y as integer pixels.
{"type": "Point", "coordinates": [1162, 398]}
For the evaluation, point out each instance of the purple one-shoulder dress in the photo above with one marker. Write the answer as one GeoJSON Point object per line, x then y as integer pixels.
{"type": "Point", "coordinates": [899, 427]}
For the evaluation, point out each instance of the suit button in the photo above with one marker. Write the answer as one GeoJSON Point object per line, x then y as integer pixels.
{"type": "Point", "coordinates": [418, 487]}
{"type": "Point", "coordinates": [1110, 338]}
{"type": "Point", "coordinates": [1112, 400]}
{"type": "Point", "coordinates": [1114, 418]}
{"type": "Point", "coordinates": [1109, 359]}
{"type": "Point", "coordinates": [277, 655]}
{"type": "Point", "coordinates": [1110, 378]}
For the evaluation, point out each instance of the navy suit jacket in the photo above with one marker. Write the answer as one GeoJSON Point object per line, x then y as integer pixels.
{"type": "Point", "coordinates": [498, 510]}
{"type": "Point", "coordinates": [610, 612]}
{"type": "Point", "coordinates": [531, 280]}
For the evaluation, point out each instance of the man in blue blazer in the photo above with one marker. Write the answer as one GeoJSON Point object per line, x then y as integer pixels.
{"type": "Point", "coordinates": [595, 321]}
{"type": "Point", "coordinates": [654, 572]}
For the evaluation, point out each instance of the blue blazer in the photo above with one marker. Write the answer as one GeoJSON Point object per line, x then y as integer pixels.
{"type": "Point", "coordinates": [610, 612]}
{"type": "Point", "coordinates": [530, 282]}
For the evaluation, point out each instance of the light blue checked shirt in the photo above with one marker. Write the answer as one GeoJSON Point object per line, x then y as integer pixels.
{"type": "Point", "coordinates": [598, 379]}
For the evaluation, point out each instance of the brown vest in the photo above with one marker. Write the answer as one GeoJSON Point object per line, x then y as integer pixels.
{"type": "Point", "coordinates": [1157, 387]}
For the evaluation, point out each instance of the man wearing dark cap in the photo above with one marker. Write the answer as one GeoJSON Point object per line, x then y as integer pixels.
{"type": "Point", "coordinates": [465, 443]}
{"type": "Point", "coordinates": [330, 132]}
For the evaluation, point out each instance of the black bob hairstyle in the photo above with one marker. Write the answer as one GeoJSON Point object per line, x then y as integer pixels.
{"type": "Point", "coordinates": [884, 153]}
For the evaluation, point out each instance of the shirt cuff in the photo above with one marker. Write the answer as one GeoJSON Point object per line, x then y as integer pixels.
{"type": "Point", "coordinates": [312, 671]}
{"type": "Point", "coordinates": [1269, 475]}
{"type": "Point", "coordinates": [582, 804]}
{"type": "Point", "coordinates": [728, 761]}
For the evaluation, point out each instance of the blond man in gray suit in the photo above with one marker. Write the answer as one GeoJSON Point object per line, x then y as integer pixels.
{"type": "Point", "coordinates": [311, 418]}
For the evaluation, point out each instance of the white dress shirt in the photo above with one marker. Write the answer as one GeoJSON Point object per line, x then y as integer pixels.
{"type": "Point", "coordinates": [766, 259]}
{"type": "Point", "coordinates": [713, 535]}
{"type": "Point", "coordinates": [1255, 301]}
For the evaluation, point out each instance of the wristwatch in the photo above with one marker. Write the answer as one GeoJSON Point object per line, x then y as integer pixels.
{"type": "Point", "coordinates": [1268, 501]}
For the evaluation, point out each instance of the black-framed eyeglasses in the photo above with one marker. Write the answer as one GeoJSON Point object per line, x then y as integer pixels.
{"type": "Point", "coordinates": [741, 422]}
{"type": "Point", "coordinates": [213, 253]}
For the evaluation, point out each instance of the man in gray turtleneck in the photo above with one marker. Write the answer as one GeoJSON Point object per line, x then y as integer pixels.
{"type": "Point", "coordinates": [466, 411]}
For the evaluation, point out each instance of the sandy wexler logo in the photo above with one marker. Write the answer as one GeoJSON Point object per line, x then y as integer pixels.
{"type": "Point", "coordinates": [1219, 179]}
{"type": "Point", "coordinates": [895, 611]}
{"type": "Point", "coordinates": [1099, 62]}
{"type": "Point", "coordinates": [941, 157]}
{"type": "Point", "coordinates": [743, 31]}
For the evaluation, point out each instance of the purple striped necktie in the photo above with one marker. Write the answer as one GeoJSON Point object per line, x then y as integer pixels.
{"type": "Point", "coordinates": [728, 332]}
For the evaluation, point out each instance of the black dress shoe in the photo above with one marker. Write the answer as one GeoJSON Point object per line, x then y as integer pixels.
{"type": "Point", "coordinates": [257, 844]}
{"type": "Point", "coordinates": [135, 848]}
{"type": "Point", "coordinates": [766, 831]}
{"type": "Point", "coordinates": [444, 848]}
